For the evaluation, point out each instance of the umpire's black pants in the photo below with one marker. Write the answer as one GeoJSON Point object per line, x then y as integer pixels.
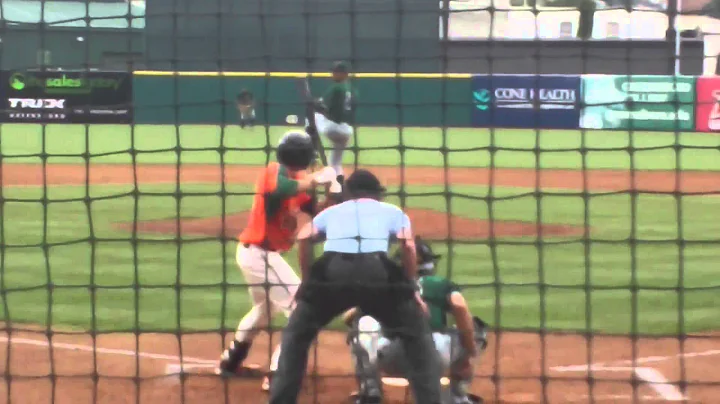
{"type": "Point", "coordinates": [380, 288]}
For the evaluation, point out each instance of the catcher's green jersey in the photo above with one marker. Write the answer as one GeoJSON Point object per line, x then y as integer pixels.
{"type": "Point", "coordinates": [338, 101]}
{"type": "Point", "coordinates": [436, 291]}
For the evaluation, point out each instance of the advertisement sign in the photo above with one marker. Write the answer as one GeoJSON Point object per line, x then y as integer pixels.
{"type": "Point", "coordinates": [707, 108]}
{"type": "Point", "coordinates": [638, 102]}
{"type": "Point", "coordinates": [521, 101]}
{"type": "Point", "coordinates": [65, 96]}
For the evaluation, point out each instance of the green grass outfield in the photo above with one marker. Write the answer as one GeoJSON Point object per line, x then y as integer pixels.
{"type": "Point", "coordinates": [467, 147]}
{"type": "Point", "coordinates": [597, 278]}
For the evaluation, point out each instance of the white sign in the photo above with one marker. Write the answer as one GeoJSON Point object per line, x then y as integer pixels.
{"type": "Point", "coordinates": [549, 98]}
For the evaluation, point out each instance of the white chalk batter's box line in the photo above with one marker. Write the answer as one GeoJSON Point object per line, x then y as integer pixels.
{"type": "Point", "coordinates": [652, 377]}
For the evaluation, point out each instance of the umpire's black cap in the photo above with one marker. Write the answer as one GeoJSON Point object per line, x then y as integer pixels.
{"type": "Point", "coordinates": [363, 182]}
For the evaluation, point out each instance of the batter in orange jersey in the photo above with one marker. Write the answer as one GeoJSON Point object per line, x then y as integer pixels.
{"type": "Point", "coordinates": [281, 193]}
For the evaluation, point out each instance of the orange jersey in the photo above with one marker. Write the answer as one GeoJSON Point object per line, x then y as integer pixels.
{"type": "Point", "coordinates": [273, 218]}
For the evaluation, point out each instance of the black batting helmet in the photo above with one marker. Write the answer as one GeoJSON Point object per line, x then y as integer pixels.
{"type": "Point", "coordinates": [296, 150]}
{"type": "Point", "coordinates": [426, 258]}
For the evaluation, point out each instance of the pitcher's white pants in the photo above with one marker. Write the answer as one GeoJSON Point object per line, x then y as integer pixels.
{"type": "Point", "coordinates": [339, 134]}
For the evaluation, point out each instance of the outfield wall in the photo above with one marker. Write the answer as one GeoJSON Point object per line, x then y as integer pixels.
{"type": "Point", "coordinates": [649, 102]}
{"type": "Point", "coordinates": [622, 102]}
{"type": "Point", "coordinates": [384, 100]}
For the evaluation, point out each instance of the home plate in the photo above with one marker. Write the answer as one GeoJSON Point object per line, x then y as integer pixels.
{"type": "Point", "coordinates": [402, 382]}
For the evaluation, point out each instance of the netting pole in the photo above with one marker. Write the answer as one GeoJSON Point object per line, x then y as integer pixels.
{"type": "Point", "coordinates": [136, 214]}
{"type": "Point", "coordinates": [444, 150]}
{"type": "Point", "coordinates": [223, 190]}
{"type": "Point", "coordinates": [491, 240]}
{"type": "Point", "coordinates": [177, 194]}
{"type": "Point", "coordinates": [589, 336]}
{"type": "Point", "coordinates": [268, 67]}
{"type": "Point", "coordinates": [7, 375]}
{"type": "Point", "coordinates": [222, 150]}
{"type": "Point", "coordinates": [44, 242]}
{"type": "Point", "coordinates": [634, 284]}
{"type": "Point", "coordinates": [680, 240]}
{"type": "Point", "coordinates": [309, 67]}
{"type": "Point", "coordinates": [134, 243]}
{"type": "Point", "coordinates": [402, 191]}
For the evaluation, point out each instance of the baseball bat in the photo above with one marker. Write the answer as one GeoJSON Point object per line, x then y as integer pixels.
{"type": "Point", "coordinates": [304, 89]}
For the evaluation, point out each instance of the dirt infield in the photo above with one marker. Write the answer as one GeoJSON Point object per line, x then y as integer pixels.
{"type": "Point", "coordinates": [120, 368]}
{"type": "Point", "coordinates": [431, 224]}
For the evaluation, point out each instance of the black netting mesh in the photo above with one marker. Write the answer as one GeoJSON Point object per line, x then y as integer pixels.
{"type": "Point", "coordinates": [127, 166]}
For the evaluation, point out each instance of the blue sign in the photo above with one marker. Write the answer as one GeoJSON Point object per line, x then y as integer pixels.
{"type": "Point", "coordinates": [514, 101]}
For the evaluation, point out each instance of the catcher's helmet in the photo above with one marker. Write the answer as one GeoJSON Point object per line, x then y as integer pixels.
{"type": "Point", "coordinates": [296, 150]}
{"type": "Point", "coordinates": [426, 259]}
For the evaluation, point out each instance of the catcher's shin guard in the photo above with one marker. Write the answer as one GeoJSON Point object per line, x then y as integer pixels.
{"type": "Point", "coordinates": [459, 386]}
{"type": "Point", "coordinates": [481, 333]}
{"type": "Point", "coordinates": [366, 373]}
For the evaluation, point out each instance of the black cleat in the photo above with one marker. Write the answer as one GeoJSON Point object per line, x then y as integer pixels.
{"type": "Point", "coordinates": [232, 357]}
{"type": "Point", "coordinates": [341, 179]}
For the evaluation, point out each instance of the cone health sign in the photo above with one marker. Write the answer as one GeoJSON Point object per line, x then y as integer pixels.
{"type": "Point", "coordinates": [526, 101]}
{"type": "Point", "coordinates": [707, 107]}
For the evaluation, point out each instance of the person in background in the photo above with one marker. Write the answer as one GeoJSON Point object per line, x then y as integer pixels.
{"type": "Point", "coordinates": [245, 104]}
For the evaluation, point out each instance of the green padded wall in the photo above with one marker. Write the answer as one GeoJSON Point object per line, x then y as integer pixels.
{"type": "Point", "coordinates": [379, 101]}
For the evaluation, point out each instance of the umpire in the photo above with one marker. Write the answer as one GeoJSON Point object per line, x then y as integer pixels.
{"type": "Point", "coordinates": [354, 271]}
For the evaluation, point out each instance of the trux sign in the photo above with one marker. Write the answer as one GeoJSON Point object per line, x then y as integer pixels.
{"type": "Point", "coordinates": [39, 103]}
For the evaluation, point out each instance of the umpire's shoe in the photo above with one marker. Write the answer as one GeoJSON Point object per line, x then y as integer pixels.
{"type": "Point", "coordinates": [358, 398]}
{"type": "Point", "coordinates": [469, 399]}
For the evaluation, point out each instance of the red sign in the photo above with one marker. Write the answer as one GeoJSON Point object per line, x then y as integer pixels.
{"type": "Point", "coordinates": [707, 106]}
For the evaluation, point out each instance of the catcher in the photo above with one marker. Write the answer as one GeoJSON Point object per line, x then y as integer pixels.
{"type": "Point", "coordinates": [374, 351]}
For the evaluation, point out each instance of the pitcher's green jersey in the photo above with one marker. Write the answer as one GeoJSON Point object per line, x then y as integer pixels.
{"type": "Point", "coordinates": [338, 100]}
{"type": "Point", "coordinates": [436, 292]}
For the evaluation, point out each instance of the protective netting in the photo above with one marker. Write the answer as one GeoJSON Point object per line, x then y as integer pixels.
{"type": "Point", "coordinates": [545, 150]}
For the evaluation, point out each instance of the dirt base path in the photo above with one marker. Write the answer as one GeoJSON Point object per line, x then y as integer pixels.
{"type": "Point", "coordinates": [146, 370]}
{"type": "Point", "coordinates": [517, 368]}
{"type": "Point", "coordinates": [597, 180]}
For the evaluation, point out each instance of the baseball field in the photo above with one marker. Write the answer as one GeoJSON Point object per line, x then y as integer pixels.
{"type": "Point", "coordinates": [118, 281]}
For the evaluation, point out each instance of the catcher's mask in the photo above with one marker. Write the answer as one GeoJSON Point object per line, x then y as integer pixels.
{"type": "Point", "coordinates": [296, 150]}
{"type": "Point", "coordinates": [426, 259]}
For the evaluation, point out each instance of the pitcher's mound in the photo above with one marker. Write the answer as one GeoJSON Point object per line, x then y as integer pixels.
{"type": "Point", "coordinates": [430, 224]}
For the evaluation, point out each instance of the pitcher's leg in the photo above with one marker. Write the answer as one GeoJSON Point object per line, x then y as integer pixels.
{"type": "Point", "coordinates": [339, 135]}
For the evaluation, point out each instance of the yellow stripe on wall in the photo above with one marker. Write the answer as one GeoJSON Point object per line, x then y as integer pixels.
{"type": "Point", "coordinates": [297, 74]}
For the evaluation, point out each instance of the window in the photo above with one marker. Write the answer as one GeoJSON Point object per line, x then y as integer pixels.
{"type": "Point", "coordinates": [43, 57]}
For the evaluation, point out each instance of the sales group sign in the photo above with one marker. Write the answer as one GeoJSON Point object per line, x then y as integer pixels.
{"type": "Point", "coordinates": [518, 101]}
